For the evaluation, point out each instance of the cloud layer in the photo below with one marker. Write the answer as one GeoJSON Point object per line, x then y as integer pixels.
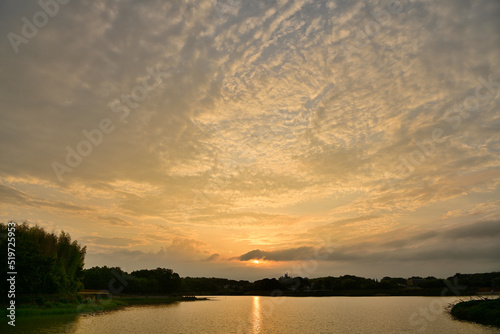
{"type": "Point", "coordinates": [256, 128]}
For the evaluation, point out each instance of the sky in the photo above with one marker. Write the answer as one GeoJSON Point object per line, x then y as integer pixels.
{"type": "Point", "coordinates": [246, 139]}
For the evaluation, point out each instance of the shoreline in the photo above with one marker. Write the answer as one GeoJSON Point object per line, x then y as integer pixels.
{"type": "Point", "coordinates": [95, 306]}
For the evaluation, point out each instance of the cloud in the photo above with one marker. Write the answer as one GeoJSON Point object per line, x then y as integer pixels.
{"type": "Point", "coordinates": [291, 254]}
{"type": "Point", "coordinates": [264, 133]}
{"type": "Point", "coordinates": [481, 230]}
{"type": "Point", "coordinates": [111, 242]}
{"type": "Point", "coordinates": [15, 197]}
{"type": "Point", "coordinates": [115, 221]}
{"type": "Point", "coordinates": [212, 257]}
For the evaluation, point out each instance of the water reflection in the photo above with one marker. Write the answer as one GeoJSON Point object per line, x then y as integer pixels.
{"type": "Point", "coordinates": [256, 315]}
{"type": "Point", "coordinates": [51, 324]}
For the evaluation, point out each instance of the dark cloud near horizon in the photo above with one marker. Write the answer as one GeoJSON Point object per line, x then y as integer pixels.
{"type": "Point", "coordinates": [290, 254]}
{"type": "Point", "coordinates": [480, 240]}
{"type": "Point", "coordinates": [480, 230]}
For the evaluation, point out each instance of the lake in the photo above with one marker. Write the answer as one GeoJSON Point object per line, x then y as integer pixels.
{"type": "Point", "coordinates": [249, 314]}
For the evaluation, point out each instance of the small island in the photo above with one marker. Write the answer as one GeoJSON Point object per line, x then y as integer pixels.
{"type": "Point", "coordinates": [483, 311]}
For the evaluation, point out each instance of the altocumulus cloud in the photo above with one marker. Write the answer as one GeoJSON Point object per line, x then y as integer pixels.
{"type": "Point", "coordinates": [262, 121]}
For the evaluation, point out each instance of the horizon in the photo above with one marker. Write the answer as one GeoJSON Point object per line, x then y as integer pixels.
{"type": "Point", "coordinates": [311, 277]}
{"type": "Point", "coordinates": [244, 140]}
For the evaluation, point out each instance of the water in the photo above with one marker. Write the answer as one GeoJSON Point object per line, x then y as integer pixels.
{"type": "Point", "coordinates": [249, 314]}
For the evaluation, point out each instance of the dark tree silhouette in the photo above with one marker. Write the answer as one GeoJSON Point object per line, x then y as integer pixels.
{"type": "Point", "coordinates": [45, 263]}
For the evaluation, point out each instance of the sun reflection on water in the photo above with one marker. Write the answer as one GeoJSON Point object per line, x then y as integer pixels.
{"type": "Point", "coordinates": [256, 315]}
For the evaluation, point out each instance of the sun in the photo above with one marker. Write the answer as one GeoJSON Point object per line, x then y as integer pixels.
{"type": "Point", "coordinates": [256, 261]}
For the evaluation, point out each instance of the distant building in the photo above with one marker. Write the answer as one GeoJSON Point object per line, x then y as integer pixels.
{"type": "Point", "coordinates": [285, 279]}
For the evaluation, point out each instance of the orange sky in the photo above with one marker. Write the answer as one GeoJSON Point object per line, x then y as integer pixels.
{"type": "Point", "coordinates": [204, 135]}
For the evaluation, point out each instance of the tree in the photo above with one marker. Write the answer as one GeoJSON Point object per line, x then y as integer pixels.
{"type": "Point", "coordinates": [159, 280]}
{"type": "Point", "coordinates": [48, 263]}
{"type": "Point", "coordinates": [100, 278]}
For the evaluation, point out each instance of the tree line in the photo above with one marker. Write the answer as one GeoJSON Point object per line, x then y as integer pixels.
{"type": "Point", "coordinates": [165, 281]}
{"type": "Point", "coordinates": [156, 281]}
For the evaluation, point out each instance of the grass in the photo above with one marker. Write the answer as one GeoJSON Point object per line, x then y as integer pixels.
{"type": "Point", "coordinates": [484, 311]}
{"type": "Point", "coordinates": [89, 306]}
{"type": "Point", "coordinates": [156, 300]}
{"type": "Point", "coordinates": [52, 308]}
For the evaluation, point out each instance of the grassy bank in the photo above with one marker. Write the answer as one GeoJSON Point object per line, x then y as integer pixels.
{"type": "Point", "coordinates": [129, 300]}
{"type": "Point", "coordinates": [91, 306]}
{"type": "Point", "coordinates": [484, 311]}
